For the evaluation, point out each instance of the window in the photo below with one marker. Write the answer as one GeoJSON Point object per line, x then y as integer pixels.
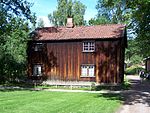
{"type": "Point", "coordinates": [38, 47]}
{"type": "Point", "coordinates": [87, 71]}
{"type": "Point", "coordinates": [37, 70]}
{"type": "Point", "coordinates": [88, 46]}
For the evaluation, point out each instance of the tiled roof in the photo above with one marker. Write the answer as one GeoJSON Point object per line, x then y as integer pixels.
{"type": "Point", "coordinates": [82, 32]}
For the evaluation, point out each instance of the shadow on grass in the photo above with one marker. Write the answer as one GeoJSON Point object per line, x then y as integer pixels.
{"type": "Point", "coordinates": [112, 88]}
{"type": "Point", "coordinates": [120, 87]}
{"type": "Point", "coordinates": [18, 87]}
{"type": "Point", "coordinates": [111, 96]}
{"type": "Point", "coordinates": [10, 90]}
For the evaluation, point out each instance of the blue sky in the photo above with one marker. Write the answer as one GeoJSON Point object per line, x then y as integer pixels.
{"type": "Point", "coordinates": [43, 7]}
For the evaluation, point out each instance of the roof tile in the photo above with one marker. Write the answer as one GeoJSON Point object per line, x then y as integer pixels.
{"type": "Point", "coordinates": [82, 32]}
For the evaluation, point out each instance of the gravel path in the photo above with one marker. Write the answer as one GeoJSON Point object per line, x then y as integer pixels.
{"type": "Point", "coordinates": [137, 100]}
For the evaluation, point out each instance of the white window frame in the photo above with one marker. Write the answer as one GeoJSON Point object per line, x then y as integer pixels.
{"type": "Point", "coordinates": [87, 70]}
{"type": "Point", "coordinates": [89, 46]}
{"type": "Point", "coordinates": [38, 47]}
{"type": "Point", "coordinates": [37, 70]}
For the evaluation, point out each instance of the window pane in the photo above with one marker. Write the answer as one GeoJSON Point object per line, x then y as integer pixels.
{"type": "Point", "coordinates": [91, 46]}
{"type": "Point", "coordinates": [85, 43]}
{"type": "Point", "coordinates": [34, 70]}
{"type": "Point", "coordinates": [91, 70]}
{"type": "Point", "coordinates": [38, 47]}
{"type": "Point", "coordinates": [37, 70]}
{"type": "Point", "coordinates": [86, 48]}
{"type": "Point", "coordinates": [91, 49]}
{"type": "Point", "coordinates": [83, 70]}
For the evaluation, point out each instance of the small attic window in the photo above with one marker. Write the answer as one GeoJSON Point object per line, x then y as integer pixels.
{"type": "Point", "coordinates": [89, 46]}
{"type": "Point", "coordinates": [38, 46]}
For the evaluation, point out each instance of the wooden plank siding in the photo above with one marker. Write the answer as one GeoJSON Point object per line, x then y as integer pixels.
{"type": "Point", "coordinates": [62, 60]}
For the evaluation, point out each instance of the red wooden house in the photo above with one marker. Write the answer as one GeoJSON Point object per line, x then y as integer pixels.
{"type": "Point", "coordinates": [85, 53]}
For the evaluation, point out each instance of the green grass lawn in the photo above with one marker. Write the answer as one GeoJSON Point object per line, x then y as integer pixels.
{"type": "Point", "coordinates": [57, 102]}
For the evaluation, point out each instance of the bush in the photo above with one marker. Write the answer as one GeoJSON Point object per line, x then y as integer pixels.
{"type": "Point", "coordinates": [132, 70]}
{"type": "Point", "coordinates": [126, 84]}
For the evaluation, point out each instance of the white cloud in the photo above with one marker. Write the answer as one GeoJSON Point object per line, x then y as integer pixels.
{"type": "Point", "coordinates": [46, 21]}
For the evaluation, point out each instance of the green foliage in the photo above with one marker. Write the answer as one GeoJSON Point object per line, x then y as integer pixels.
{"type": "Point", "coordinates": [65, 9]}
{"type": "Point", "coordinates": [13, 38]}
{"type": "Point", "coordinates": [99, 20]}
{"type": "Point", "coordinates": [13, 59]}
{"type": "Point", "coordinates": [136, 59]}
{"type": "Point", "coordinates": [132, 70]}
{"type": "Point", "coordinates": [132, 53]}
{"type": "Point", "coordinates": [141, 18]}
{"type": "Point", "coordinates": [115, 10]}
{"type": "Point", "coordinates": [126, 84]}
{"type": "Point", "coordinates": [110, 12]}
{"type": "Point", "coordinates": [57, 102]}
{"type": "Point", "coordinates": [17, 8]}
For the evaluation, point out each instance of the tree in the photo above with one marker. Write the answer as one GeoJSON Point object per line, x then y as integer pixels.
{"type": "Point", "coordinates": [111, 11]}
{"type": "Point", "coordinates": [99, 20]}
{"type": "Point", "coordinates": [135, 14]}
{"type": "Point", "coordinates": [14, 31]}
{"type": "Point", "coordinates": [65, 9]}
{"type": "Point", "coordinates": [132, 53]}
{"type": "Point", "coordinates": [141, 25]}
{"type": "Point", "coordinates": [20, 8]}
{"type": "Point", "coordinates": [10, 9]}
{"type": "Point", "coordinates": [40, 23]}
{"type": "Point", "coordinates": [115, 10]}
{"type": "Point", "coordinates": [13, 59]}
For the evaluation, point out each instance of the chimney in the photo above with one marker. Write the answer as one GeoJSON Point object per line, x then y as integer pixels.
{"type": "Point", "coordinates": [69, 23]}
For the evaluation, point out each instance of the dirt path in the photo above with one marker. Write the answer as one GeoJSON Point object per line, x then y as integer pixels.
{"type": "Point", "coordinates": [137, 100]}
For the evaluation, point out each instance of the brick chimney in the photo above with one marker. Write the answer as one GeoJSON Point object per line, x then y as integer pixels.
{"type": "Point", "coordinates": [69, 23]}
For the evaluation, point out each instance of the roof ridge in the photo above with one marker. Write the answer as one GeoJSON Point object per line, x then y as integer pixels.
{"type": "Point", "coordinates": [79, 26]}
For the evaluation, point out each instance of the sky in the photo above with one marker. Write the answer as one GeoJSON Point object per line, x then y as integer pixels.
{"type": "Point", "coordinates": [44, 7]}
